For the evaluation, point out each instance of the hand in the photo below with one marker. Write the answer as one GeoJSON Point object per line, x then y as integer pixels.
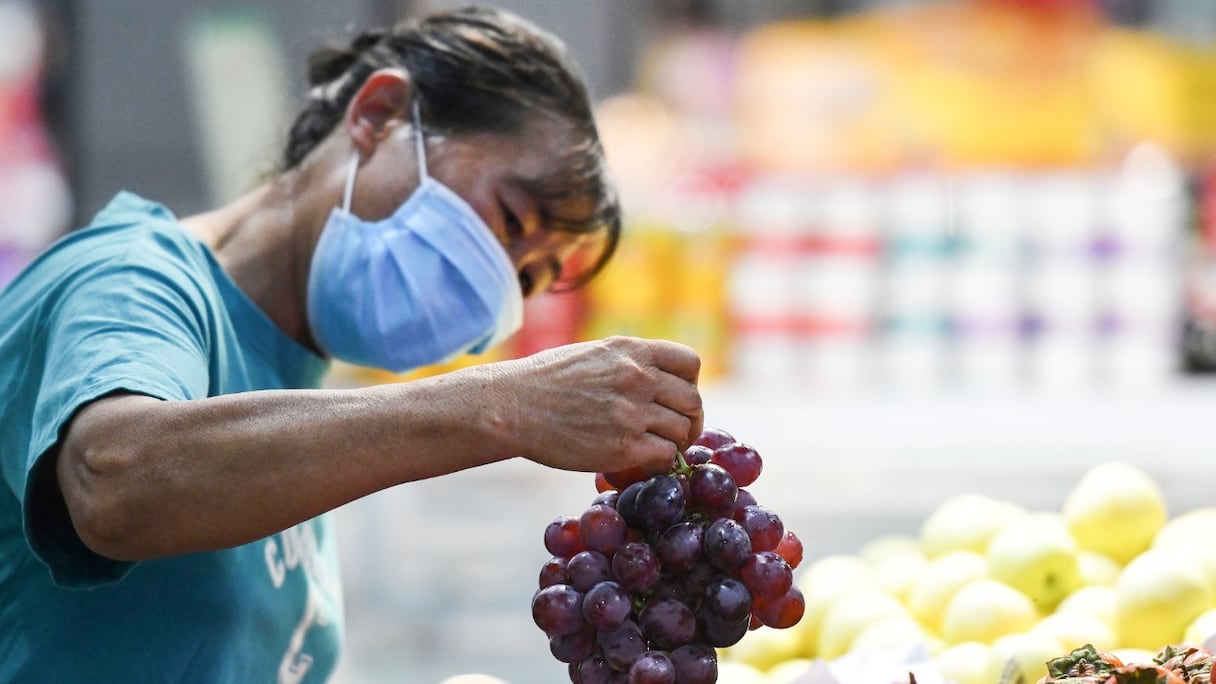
{"type": "Point", "coordinates": [606, 405]}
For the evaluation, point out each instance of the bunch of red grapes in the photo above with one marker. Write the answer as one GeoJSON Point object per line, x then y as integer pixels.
{"type": "Point", "coordinates": [660, 571]}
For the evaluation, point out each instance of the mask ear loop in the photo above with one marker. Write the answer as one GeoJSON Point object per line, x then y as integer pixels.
{"type": "Point", "coordinates": [418, 141]}
{"type": "Point", "coordinates": [350, 181]}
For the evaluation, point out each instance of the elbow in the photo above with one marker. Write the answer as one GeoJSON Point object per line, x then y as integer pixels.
{"type": "Point", "coordinates": [98, 505]}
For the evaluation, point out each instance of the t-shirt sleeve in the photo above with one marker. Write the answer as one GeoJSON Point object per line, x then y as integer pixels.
{"type": "Point", "coordinates": [121, 326]}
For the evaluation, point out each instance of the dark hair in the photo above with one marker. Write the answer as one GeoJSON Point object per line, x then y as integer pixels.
{"type": "Point", "coordinates": [477, 70]}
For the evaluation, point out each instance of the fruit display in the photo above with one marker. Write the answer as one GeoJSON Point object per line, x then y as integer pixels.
{"type": "Point", "coordinates": [990, 591]}
{"type": "Point", "coordinates": [1170, 665]}
{"type": "Point", "coordinates": [659, 572]}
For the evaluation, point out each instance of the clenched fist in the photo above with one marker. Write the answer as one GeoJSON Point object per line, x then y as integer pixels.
{"type": "Point", "coordinates": [606, 405]}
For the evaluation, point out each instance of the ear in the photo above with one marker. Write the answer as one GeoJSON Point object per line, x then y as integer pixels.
{"type": "Point", "coordinates": [381, 101]}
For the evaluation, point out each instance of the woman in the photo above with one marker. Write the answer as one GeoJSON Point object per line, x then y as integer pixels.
{"type": "Point", "coordinates": [168, 457]}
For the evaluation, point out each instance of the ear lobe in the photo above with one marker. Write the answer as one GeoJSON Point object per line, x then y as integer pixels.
{"type": "Point", "coordinates": [381, 100]}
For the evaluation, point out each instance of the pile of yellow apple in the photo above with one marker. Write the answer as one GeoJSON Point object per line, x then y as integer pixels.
{"type": "Point", "coordinates": [990, 588]}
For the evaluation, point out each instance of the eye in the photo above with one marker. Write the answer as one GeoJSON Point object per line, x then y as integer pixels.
{"type": "Point", "coordinates": [527, 283]}
{"type": "Point", "coordinates": [515, 227]}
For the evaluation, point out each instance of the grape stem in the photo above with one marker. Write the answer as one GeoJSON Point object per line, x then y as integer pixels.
{"type": "Point", "coordinates": [681, 467]}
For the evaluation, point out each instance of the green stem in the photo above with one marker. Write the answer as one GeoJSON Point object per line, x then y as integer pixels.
{"type": "Point", "coordinates": [682, 467]}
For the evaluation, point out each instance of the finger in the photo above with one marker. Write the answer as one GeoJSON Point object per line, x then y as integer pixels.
{"type": "Point", "coordinates": [683, 397]}
{"type": "Point", "coordinates": [675, 358]}
{"type": "Point", "coordinates": [672, 426]}
{"type": "Point", "coordinates": [694, 431]}
{"type": "Point", "coordinates": [677, 394]}
{"type": "Point", "coordinates": [657, 453]}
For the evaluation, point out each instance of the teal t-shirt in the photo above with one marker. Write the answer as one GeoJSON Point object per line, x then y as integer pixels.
{"type": "Point", "coordinates": [135, 303]}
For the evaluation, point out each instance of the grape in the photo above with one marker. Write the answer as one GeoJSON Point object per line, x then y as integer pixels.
{"type": "Point", "coordinates": [554, 572]}
{"type": "Point", "coordinates": [713, 438]}
{"type": "Point", "coordinates": [766, 575]}
{"type": "Point", "coordinates": [741, 460]}
{"type": "Point", "coordinates": [623, 478]}
{"type": "Point", "coordinates": [636, 566]}
{"type": "Point", "coordinates": [668, 623]}
{"type": "Point", "coordinates": [713, 490]}
{"type": "Point", "coordinates": [626, 505]}
{"type": "Point", "coordinates": [694, 582]}
{"type": "Point", "coordinates": [602, 484]}
{"type": "Point", "coordinates": [602, 529]}
{"type": "Point", "coordinates": [607, 498]}
{"type": "Point", "coordinates": [728, 599]}
{"type": "Point", "coordinates": [790, 549]}
{"type": "Point", "coordinates": [595, 670]}
{"type": "Point", "coordinates": [685, 487]}
{"type": "Point", "coordinates": [660, 503]}
{"type": "Point", "coordinates": [659, 571]}
{"type": "Point", "coordinates": [697, 454]}
{"type": "Point", "coordinates": [561, 537]}
{"type": "Point", "coordinates": [653, 667]}
{"type": "Point", "coordinates": [557, 610]}
{"type": "Point", "coordinates": [572, 648]}
{"type": "Point", "coordinates": [719, 632]}
{"type": "Point", "coordinates": [782, 613]}
{"type": "Point", "coordinates": [726, 544]}
{"type": "Point", "coordinates": [587, 569]}
{"type": "Point", "coordinates": [606, 605]}
{"type": "Point", "coordinates": [622, 645]}
{"type": "Point", "coordinates": [695, 664]}
{"type": "Point", "coordinates": [679, 547]}
{"type": "Point", "coordinates": [743, 499]}
{"type": "Point", "coordinates": [763, 526]}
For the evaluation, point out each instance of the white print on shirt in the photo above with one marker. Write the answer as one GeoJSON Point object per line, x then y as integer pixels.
{"type": "Point", "coordinates": [290, 549]}
{"type": "Point", "coordinates": [295, 662]}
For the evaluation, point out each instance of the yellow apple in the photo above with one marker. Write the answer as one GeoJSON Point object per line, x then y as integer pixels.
{"type": "Point", "coordinates": [933, 587]}
{"type": "Point", "coordinates": [964, 663]}
{"type": "Point", "coordinates": [1156, 597]}
{"type": "Point", "coordinates": [901, 631]}
{"type": "Point", "coordinates": [1096, 601]}
{"type": "Point", "coordinates": [822, 582]}
{"type": "Point", "coordinates": [881, 549]}
{"type": "Point", "coordinates": [1196, 527]}
{"type": "Point", "coordinates": [1134, 656]}
{"type": "Point", "coordinates": [1074, 629]}
{"type": "Point", "coordinates": [765, 647]}
{"type": "Point", "coordinates": [1192, 533]}
{"type": "Point", "coordinates": [788, 672]}
{"type": "Point", "coordinates": [1097, 569]}
{"type": "Point", "coordinates": [1201, 628]}
{"type": "Point", "coordinates": [849, 615]}
{"type": "Point", "coordinates": [896, 574]}
{"type": "Point", "coordinates": [734, 672]}
{"type": "Point", "coordinates": [1115, 509]}
{"type": "Point", "coordinates": [1036, 555]}
{"type": "Point", "coordinates": [1021, 657]}
{"type": "Point", "coordinates": [965, 522]}
{"type": "Point", "coordinates": [986, 610]}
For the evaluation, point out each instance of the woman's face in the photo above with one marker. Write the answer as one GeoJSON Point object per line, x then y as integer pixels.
{"type": "Point", "coordinates": [490, 172]}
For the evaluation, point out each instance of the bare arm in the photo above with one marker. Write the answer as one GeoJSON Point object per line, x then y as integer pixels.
{"type": "Point", "coordinates": [144, 478]}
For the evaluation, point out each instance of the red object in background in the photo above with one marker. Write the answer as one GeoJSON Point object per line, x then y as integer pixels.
{"type": "Point", "coordinates": [550, 320]}
{"type": "Point", "coordinates": [1050, 6]}
{"type": "Point", "coordinates": [1207, 212]}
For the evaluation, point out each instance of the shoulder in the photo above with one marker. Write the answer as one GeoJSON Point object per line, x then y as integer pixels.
{"type": "Point", "coordinates": [133, 229]}
{"type": "Point", "coordinates": [130, 235]}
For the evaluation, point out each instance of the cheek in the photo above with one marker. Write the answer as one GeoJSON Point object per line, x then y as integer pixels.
{"type": "Point", "coordinates": [376, 198]}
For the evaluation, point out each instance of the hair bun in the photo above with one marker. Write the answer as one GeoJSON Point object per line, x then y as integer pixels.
{"type": "Point", "coordinates": [328, 64]}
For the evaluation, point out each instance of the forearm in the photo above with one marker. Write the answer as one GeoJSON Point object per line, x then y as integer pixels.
{"type": "Point", "coordinates": [145, 478]}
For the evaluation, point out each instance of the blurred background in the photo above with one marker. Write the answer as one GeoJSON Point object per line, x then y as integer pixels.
{"type": "Point", "coordinates": [922, 247]}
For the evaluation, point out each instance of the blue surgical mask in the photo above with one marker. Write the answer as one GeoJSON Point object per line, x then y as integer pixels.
{"type": "Point", "coordinates": [422, 286]}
